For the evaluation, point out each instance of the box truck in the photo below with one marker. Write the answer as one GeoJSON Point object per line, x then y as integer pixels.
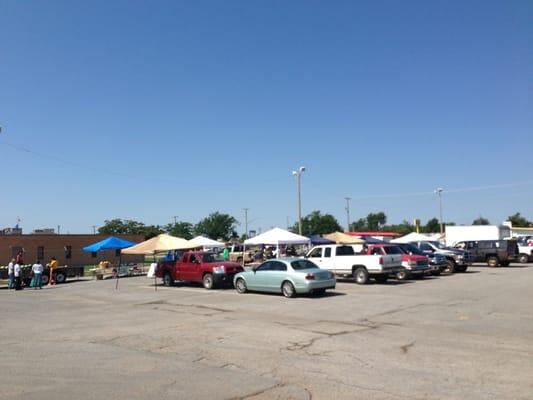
{"type": "Point", "coordinates": [456, 234]}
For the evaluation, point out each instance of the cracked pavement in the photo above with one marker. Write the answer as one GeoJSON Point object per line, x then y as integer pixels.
{"type": "Point", "coordinates": [453, 337]}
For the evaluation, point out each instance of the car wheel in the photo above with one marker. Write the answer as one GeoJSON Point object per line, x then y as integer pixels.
{"type": "Point", "coordinates": [450, 268]}
{"type": "Point", "coordinates": [208, 281]}
{"type": "Point", "coordinates": [381, 278]}
{"type": "Point", "coordinates": [493, 262]}
{"type": "Point", "coordinates": [361, 275]}
{"type": "Point", "coordinates": [240, 286]}
{"type": "Point", "coordinates": [401, 275]}
{"type": "Point", "coordinates": [61, 277]}
{"type": "Point", "coordinates": [46, 278]}
{"type": "Point", "coordinates": [523, 258]}
{"type": "Point", "coordinates": [167, 279]}
{"type": "Point", "coordinates": [288, 289]}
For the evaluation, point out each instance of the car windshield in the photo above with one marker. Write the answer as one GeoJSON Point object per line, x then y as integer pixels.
{"type": "Point", "coordinates": [392, 250]}
{"type": "Point", "coordinates": [438, 245]}
{"type": "Point", "coordinates": [211, 258]}
{"type": "Point", "coordinates": [302, 264]}
{"type": "Point", "coordinates": [409, 248]}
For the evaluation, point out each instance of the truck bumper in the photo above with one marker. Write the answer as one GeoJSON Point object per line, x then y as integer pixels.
{"type": "Point", "coordinates": [223, 279]}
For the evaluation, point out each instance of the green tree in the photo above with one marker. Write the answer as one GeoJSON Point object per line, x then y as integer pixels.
{"type": "Point", "coordinates": [376, 221]}
{"type": "Point", "coordinates": [180, 229]}
{"type": "Point", "coordinates": [317, 224]}
{"type": "Point", "coordinates": [519, 221]}
{"type": "Point", "coordinates": [481, 221]}
{"type": "Point", "coordinates": [217, 226]}
{"type": "Point", "coordinates": [129, 227]}
{"type": "Point", "coordinates": [432, 226]}
{"type": "Point", "coordinates": [404, 228]}
{"type": "Point", "coordinates": [359, 225]}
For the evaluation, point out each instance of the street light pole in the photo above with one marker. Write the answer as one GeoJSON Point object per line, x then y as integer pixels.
{"type": "Point", "coordinates": [438, 191]}
{"type": "Point", "coordinates": [245, 223]}
{"type": "Point", "coordinates": [298, 175]}
{"type": "Point", "coordinates": [348, 213]}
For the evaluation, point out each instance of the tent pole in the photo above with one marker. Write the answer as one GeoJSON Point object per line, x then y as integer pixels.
{"type": "Point", "coordinates": [118, 269]}
{"type": "Point", "coordinates": [155, 277]}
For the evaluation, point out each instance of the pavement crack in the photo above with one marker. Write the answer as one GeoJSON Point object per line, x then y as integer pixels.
{"type": "Point", "coordinates": [405, 348]}
{"type": "Point", "coordinates": [257, 393]}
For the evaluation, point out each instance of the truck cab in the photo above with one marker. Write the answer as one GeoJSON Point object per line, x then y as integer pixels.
{"type": "Point", "coordinates": [203, 267]}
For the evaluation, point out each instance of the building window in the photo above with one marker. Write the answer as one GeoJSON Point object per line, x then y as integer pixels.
{"type": "Point", "coordinates": [94, 254]}
{"type": "Point", "coordinates": [40, 253]}
{"type": "Point", "coordinates": [68, 251]}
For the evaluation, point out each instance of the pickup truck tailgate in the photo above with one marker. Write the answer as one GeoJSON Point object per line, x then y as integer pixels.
{"type": "Point", "coordinates": [392, 261]}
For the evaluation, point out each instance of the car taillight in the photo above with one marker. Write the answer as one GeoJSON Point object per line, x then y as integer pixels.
{"type": "Point", "coordinates": [380, 260]}
{"type": "Point", "coordinates": [310, 277]}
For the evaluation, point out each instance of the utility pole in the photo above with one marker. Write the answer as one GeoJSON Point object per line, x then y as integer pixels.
{"type": "Point", "coordinates": [58, 229]}
{"type": "Point", "coordinates": [348, 213]}
{"type": "Point", "coordinates": [245, 223]}
{"type": "Point", "coordinates": [94, 229]}
{"type": "Point", "coordinates": [175, 219]}
{"type": "Point", "coordinates": [438, 192]}
{"type": "Point", "coordinates": [298, 175]}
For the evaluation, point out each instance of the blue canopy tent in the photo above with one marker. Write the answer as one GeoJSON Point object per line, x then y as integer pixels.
{"type": "Point", "coordinates": [110, 243]}
{"type": "Point", "coordinates": [317, 240]}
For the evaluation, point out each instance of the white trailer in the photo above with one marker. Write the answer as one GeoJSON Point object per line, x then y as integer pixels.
{"type": "Point", "coordinates": [455, 234]}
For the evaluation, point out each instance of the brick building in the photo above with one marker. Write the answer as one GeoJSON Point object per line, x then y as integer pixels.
{"type": "Point", "coordinates": [68, 249]}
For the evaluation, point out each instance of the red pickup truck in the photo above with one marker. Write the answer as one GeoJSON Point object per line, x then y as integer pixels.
{"type": "Point", "coordinates": [413, 264]}
{"type": "Point", "coordinates": [198, 266]}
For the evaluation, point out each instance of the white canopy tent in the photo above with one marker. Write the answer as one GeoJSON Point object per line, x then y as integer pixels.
{"type": "Point", "coordinates": [413, 237]}
{"type": "Point", "coordinates": [205, 242]}
{"type": "Point", "coordinates": [277, 236]}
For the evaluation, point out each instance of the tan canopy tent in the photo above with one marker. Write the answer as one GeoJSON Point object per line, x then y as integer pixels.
{"type": "Point", "coordinates": [339, 237]}
{"type": "Point", "coordinates": [161, 242]}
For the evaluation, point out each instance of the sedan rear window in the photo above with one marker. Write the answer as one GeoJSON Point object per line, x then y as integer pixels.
{"type": "Point", "coordinates": [302, 264]}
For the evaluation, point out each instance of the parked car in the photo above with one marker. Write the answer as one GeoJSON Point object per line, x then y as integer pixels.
{"type": "Point", "coordinates": [458, 260]}
{"type": "Point", "coordinates": [437, 262]}
{"type": "Point", "coordinates": [198, 266]}
{"type": "Point", "coordinates": [493, 252]}
{"type": "Point", "coordinates": [413, 265]}
{"type": "Point", "coordinates": [288, 276]}
{"type": "Point", "coordinates": [344, 262]}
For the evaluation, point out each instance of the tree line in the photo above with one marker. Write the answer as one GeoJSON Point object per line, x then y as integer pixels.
{"type": "Point", "coordinates": [221, 226]}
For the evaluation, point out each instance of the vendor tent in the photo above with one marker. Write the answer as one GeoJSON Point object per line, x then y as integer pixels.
{"type": "Point", "coordinates": [159, 243]}
{"type": "Point", "coordinates": [413, 237]}
{"type": "Point", "coordinates": [277, 236]}
{"type": "Point", "coordinates": [202, 241]}
{"type": "Point", "coordinates": [339, 237]}
{"type": "Point", "coordinates": [317, 240]}
{"type": "Point", "coordinates": [110, 243]}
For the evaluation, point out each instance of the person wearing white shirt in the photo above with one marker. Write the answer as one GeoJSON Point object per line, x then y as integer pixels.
{"type": "Point", "coordinates": [17, 271]}
{"type": "Point", "coordinates": [10, 274]}
{"type": "Point", "coordinates": [37, 280]}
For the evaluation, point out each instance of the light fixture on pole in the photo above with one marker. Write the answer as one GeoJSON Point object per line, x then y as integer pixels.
{"type": "Point", "coordinates": [347, 213]}
{"type": "Point", "coordinates": [298, 175]}
{"type": "Point", "coordinates": [438, 192]}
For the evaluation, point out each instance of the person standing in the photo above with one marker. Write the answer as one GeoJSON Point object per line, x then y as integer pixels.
{"type": "Point", "coordinates": [225, 254]}
{"type": "Point", "coordinates": [20, 258]}
{"type": "Point", "coordinates": [53, 266]}
{"type": "Point", "coordinates": [10, 274]}
{"type": "Point", "coordinates": [37, 280]}
{"type": "Point", "coordinates": [17, 271]}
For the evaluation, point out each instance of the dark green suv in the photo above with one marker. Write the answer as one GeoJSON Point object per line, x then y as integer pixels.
{"type": "Point", "coordinates": [494, 252]}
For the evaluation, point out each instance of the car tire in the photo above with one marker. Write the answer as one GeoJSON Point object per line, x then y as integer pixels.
{"type": "Point", "coordinates": [523, 258]}
{"type": "Point", "coordinates": [493, 262]}
{"type": "Point", "coordinates": [240, 286]}
{"type": "Point", "coordinates": [61, 277]}
{"type": "Point", "coordinates": [288, 290]}
{"type": "Point", "coordinates": [46, 278]}
{"type": "Point", "coordinates": [167, 279]}
{"type": "Point", "coordinates": [207, 281]}
{"type": "Point", "coordinates": [402, 275]}
{"type": "Point", "coordinates": [381, 278]}
{"type": "Point", "coordinates": [361, 275]}
{"type": "Point", "coordinates": [451, 266]}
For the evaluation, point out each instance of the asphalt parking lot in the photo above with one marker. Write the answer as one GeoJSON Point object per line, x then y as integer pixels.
{"type": "Point", "coordinates": [465, 336]}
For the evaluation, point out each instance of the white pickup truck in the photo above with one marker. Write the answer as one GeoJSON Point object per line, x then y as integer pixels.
{"type": "Point", "coordinates": [344, 262]}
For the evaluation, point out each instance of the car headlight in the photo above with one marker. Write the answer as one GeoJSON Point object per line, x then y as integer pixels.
{"type": "Point", "coordinates": [460, 256]}
{"type": "Point", "coordinates": [219, 270]}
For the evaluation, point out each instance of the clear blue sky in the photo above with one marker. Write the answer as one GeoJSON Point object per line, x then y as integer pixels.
{"type": "Point", "coordinates": [148, 110]}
